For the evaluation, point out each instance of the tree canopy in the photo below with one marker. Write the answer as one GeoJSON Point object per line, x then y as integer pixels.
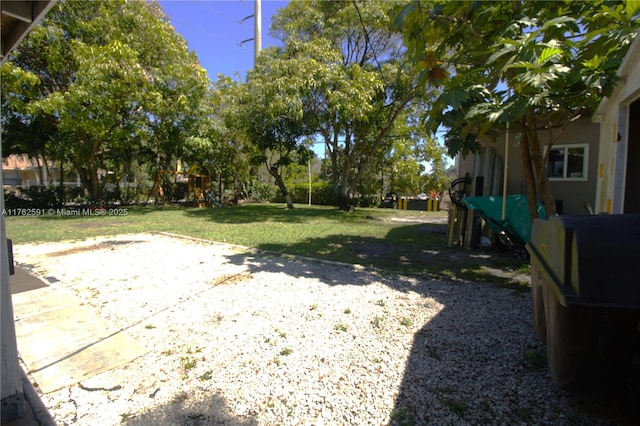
{"type": "Point", "coordinates": [534, 65]}
{"type": "Point", "coordinates": [108, 89]}
{"type": "Point", "coordinates": [360, 86]}
{"type": "Point", "coordinates": [112, 83]}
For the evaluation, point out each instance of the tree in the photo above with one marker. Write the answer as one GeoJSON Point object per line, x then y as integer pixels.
{"type": "Point", "coordinates": [114, 78]}
{"type": "Point", "coordinates": [272, 110]}
{"type": "Point", "coordinates": [360, 87]}
{"type": "Point", "coordinates": [534, 65]}
{"type": "Point", "coordinates": [216, 144]}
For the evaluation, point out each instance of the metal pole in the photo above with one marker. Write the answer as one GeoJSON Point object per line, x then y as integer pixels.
{"type": "Point", "coordinates": [309, 166]}
{"type": "Point", "coordinates": [504, 178]}
{"type": "Point", "coordinates": [257, 27]}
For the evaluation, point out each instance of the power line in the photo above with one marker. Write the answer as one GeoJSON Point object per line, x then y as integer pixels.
{"type": "Point", "coordinates": [218, 12]}
{"type": "Point", "coordinates": [244, 3]}
{"type": "Point", "coordinates": [209, 33]}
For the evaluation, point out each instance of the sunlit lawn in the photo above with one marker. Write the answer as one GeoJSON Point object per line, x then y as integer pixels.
{"type": "Point", "coordinates": [367, 236]}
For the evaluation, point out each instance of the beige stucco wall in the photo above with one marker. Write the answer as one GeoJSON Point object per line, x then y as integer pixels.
{"type": "Point", "coordinates": [573, 193]}
{"type": "Point", "coordinates": [613, 116]}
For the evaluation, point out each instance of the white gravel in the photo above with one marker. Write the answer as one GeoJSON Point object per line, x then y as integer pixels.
{"type": "Point", "coordinates": [241, 338]}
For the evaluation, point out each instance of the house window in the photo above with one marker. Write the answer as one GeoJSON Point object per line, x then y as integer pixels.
{"type": "Point", "coordinates": [568, 162]}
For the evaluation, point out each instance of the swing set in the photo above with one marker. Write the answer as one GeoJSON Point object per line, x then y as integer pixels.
{"type": "Point", "coordinates": [198, 187]}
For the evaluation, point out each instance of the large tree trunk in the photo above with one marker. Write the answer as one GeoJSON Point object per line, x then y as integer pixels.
{"type": "Point", "coordinates": [61, 194]}
{"type": "Point", "coordinates": [273, 171]}
{"type": "Point", "coordinates": [89, 178]}
{"type": "Point", "coordinates": [541, 177]}
{"type": "Point", "coordinates": [529, 176]}
{"type": "Point", "coordinates": [343, 196]}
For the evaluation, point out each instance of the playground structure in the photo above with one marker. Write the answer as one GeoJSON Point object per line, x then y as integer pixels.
{"type": "Point", "coordinates": [198, 193]}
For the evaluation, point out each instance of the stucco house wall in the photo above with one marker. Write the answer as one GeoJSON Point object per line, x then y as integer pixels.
{"type": "Point", "coordinates": [572, 193]}
{"type": "Point", "coordinates": [618, 184]}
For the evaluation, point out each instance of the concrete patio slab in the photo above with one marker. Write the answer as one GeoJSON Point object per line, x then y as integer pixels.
{"type": "Point", "coordinates": [61, 342]}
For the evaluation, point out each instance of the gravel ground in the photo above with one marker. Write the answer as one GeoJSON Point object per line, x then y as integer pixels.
{"type": "Point", "coordinates": [241, 338]}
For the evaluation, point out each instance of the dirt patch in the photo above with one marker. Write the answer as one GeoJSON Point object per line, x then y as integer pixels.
{"type": "Point", "coordinates": [103, 245]}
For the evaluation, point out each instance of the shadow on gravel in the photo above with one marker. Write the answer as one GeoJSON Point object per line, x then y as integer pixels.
{"type": "Point", "coordinates": [491, 378]}
{"type": "Point", "coordinates": [184, 411]}
{"type": "Point", "coordinates": [476, 361]}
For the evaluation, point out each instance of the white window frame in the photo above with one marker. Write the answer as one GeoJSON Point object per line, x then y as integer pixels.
{"type": "Point", "coordinates": [585, 162]}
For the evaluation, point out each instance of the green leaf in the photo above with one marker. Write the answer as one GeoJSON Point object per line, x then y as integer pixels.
{"type": "Point", "coordinates": [632, 6]}
{"type": "Point", "coordinates": [549, 53]}
{"type": "Point", "coordinates": [455, 97]}
{"type": "Point", "coordinates": [406, 11]}
{"type": "Point", "coordinates": [506, 49]}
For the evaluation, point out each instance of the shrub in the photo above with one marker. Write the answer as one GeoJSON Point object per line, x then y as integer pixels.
{"type": "Point", "coordinates": [42, 196]}
{"type": "Point", "coordinates": [76, 194]}
{"type": "Point", "coordinates": [321, 193]}
{"type": "Point", "coordinates": [15, 201]}
{"type": "Point", "coordinates": [263, 192]}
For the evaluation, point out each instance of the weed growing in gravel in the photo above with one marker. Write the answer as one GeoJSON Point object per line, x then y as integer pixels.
{"type": "Point", "coordinates": [458, 407]}
{"type": "Point", "coordinates": [313, 307]}
{"type": "Point", "coordinates": [433, 353]}
{"type": "Point", "coordinates": [149, 326]}
{"type": "Point", "coordinates": [206, 376]}
{"type": "Point", "coordinates": [402, 417]}
{"type": "Point", "coordinates": [535, 359]}
{"type": "Point", "coordinates": [340, 326]}
{"type": "Point", "coordinates": [280, 333]}
{"type": "Point", "coordinates": [381, 303]}
{"type": "Point", "coordinates": [291, 408]}
{"type": "Point", "coordinates": [486, 405]}
{"type": "Point", "coordinates": [406, 322]}
{"type": "Point", "coordinates": [523, 414]}
{"type": "Point", "coordinates": [376, 322]}
{"type": "Point", "coordinates": [286, 351]}
{"type": "Point", "coordinates": [197, 350]}
{"type": "Point", "coordinates": [188, 363]}
{"type": "Point", "coordinates": [347, 311]}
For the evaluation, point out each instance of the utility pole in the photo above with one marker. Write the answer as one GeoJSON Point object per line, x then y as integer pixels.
{"type": "Point", "coordinates": [257, 30]}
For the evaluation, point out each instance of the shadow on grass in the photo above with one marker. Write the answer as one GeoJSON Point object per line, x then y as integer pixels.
{"type": "Point", "coordinates": [265, 213]}
{"type": "Point", "coordinates": [417, 250]}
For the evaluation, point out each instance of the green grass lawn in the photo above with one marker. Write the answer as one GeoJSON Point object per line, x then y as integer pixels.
{"type": "Point", "coordinates": [367, 236]}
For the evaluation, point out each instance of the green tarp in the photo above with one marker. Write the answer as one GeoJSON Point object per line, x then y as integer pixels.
{"type": "Point", "coordinates": [517, 221]}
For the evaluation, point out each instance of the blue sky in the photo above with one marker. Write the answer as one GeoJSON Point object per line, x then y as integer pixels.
{"type": "Point", "coordinates": [214, 30]}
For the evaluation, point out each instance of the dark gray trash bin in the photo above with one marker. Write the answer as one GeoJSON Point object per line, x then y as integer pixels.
{"type": "Point", "coordinates": [586, 298]}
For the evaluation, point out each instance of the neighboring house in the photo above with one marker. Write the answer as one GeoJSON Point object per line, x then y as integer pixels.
{"type": "Point", "coordinates": [619, 154]}
{"type": "Point", "coordinates": [572, 167]}
{"type": "Point", "coordinates": [21, 171]}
